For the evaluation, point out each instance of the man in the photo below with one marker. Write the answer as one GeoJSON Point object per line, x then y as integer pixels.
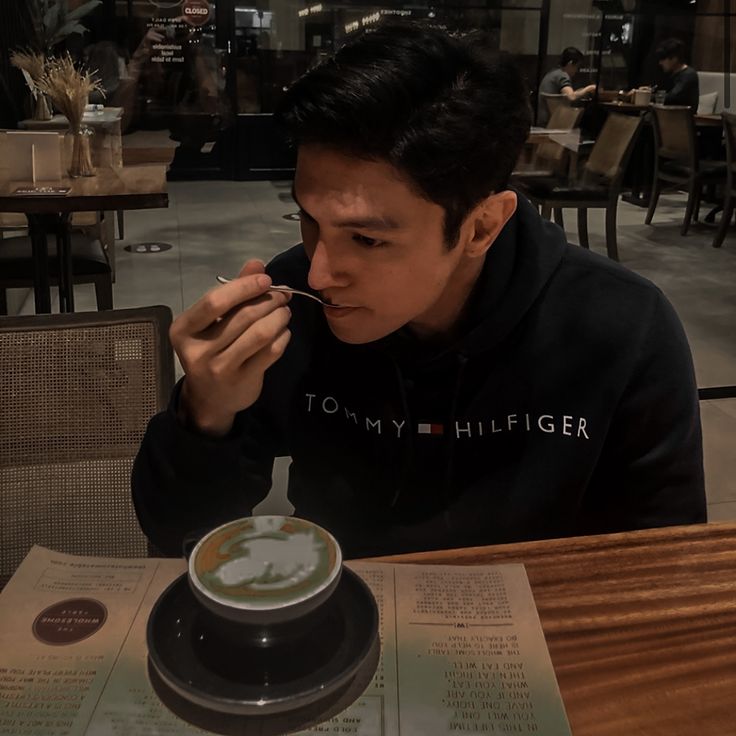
{"type": "Point", "coordinates": [559, 82]}
{"type": "Point", "coordinates": [484, 382]}
{"type": "Point", "coordinates": [683, 87]}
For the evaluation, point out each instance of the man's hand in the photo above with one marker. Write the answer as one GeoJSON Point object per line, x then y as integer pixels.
{"type": "Point", "coordinates": [226, 342]}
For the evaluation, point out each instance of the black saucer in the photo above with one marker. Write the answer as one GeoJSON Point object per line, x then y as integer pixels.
{"type": "Point", "coordinates": [230, 675]}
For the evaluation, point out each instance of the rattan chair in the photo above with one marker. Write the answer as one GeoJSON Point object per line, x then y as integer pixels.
{"type": "Point", "coordinates": [729, 192]}
{"type": "Point", "coordinates": [76, 393]}
{"type": "Point", "coordinates": [676, 162]}
{"type": "Point", "coordinates": [598, 186]}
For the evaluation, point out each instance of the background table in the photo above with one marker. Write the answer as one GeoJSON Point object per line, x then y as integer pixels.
{"type": "Point", "coordinates": [106, 143]}
{"type": "Point", "coordinates": [641, 626]}
{"type": "Point", "coordinates": [127, 188]}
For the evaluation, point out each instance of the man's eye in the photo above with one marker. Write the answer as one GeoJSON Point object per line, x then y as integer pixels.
{"type": "Point", "coordinates": [366, 241]}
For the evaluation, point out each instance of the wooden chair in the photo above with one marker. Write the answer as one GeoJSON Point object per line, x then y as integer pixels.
{"type": "Point", "coordinates": [75, 399]}
{"type": "Point", "coordinates": [550, 103]}
{"type": "Point", "coordinates": [550, 157]}
{"type": "Point", "coordinates": [89, 266]}
{"type": "Point", "coordinates": [729, 192]}
{"type": "Point", "coordinates": [676, 161]}
{"type": "Point", "coordinates": [598, 186]}
{"type": "Point", "coordinates": [99, 225]}
{"type": "Point", "coordinates": [565, 117]}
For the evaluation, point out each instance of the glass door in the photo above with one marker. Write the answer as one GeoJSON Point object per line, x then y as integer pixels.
{"type": "Point", "coordinates": [176, 81]}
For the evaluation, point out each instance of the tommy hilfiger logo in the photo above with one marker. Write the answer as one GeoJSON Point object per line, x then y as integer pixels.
{"type": "Point", "coordinates": [566, 425]}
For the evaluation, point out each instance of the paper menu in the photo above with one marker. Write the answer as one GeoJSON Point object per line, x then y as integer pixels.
{"type": "Point", "coordinates": [462, 652]}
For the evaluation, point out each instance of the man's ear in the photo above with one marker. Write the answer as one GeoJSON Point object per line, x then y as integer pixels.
{"type": "Point", "coordinates": [488, 219]}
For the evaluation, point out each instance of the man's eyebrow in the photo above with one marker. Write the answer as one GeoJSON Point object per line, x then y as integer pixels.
{"type": "Point", "coordinates": [366, 223]}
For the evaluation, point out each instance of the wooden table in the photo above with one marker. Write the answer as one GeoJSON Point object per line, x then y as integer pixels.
{"type": "Point", "coordinates": [628, 107]}
{"type": "Point", "coordinates": [706, 121]}
{"type": "Point", "coordinates": [641, 626]}
{"type": "Point", "coordinates": [538, 135]}
{"type": "Point", "coordinates": [127, 188]}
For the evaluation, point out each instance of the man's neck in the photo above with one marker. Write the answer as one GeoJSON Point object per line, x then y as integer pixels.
{"type": "Point", "coordinates": [446, 317]}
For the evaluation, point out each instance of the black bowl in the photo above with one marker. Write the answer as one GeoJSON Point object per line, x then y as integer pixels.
{"type": "Point", "coordinates": [229, 668]}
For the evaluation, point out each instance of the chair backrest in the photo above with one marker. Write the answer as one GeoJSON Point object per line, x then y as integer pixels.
{"type": "Point", "coordinates": [76, 393]}
{"type": "Point", "coordinates": [553, 102]}
{"type": "Point", "coordinates": [551, 153]}
{"type": "Point", "coordinates": [612, 149]}
{"type": "Point", "coordinates": [565, 117]}
{"type": "Point", "coordinates": [674, 132]}
{"type": "Point", "coordinates": [729, 131]}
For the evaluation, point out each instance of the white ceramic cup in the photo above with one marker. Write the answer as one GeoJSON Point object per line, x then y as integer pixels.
{"type": "Point", "coordinates": [265, 570]}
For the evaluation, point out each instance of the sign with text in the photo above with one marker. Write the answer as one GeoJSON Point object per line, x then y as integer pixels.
{"type": "Point", "coordinates": [196, 12]}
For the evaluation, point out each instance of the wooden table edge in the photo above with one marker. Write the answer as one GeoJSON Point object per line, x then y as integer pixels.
{"type": "Point", "coordinates": [489, 554]}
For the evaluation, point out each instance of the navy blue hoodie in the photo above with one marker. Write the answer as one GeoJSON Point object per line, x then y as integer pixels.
{"type": "Point", "coordinates": [568, 406]}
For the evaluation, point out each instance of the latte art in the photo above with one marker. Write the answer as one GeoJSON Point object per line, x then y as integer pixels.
{"type": "Point", "coordinates": [270, 564]}
{"type": "Point", "coordinates": [265, 563]}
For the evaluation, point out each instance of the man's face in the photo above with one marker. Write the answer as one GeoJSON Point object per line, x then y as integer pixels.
{"type": "Point", "coordinates": [375, 245]}
{"type": "Point", "coordinates": [668, 65]}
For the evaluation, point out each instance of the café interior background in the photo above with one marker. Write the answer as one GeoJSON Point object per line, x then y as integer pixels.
{"type": "Point", "coordinates": [211, 91]}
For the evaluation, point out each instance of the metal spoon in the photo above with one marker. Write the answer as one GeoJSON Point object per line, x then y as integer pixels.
{"type": "Point", "coordinates": [289, 290]}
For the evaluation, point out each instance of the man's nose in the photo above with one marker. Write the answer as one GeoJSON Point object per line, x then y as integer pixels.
{"type": "Point", "coordinates": [322, 273]}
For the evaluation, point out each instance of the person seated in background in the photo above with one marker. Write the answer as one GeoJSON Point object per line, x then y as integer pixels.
{"type": "Point", "coordinates": [559, 82]}
{"type": "Point", "coordinates": [107, 67]}
{"type": "Point", "coordinates": [483, 381]}
{"type": "Point", "coordinates": [683, 87]}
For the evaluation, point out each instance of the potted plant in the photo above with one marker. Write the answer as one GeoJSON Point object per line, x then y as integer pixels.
{"type": "Point", "coordinates": [53, 21]}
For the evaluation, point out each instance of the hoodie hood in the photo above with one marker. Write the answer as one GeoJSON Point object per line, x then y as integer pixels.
{"type": "Point", "coordinates": [514, 275]}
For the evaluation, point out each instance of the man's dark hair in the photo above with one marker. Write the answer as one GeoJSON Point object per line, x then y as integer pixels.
{"type": "Point", "coordinates": [672, 48]}
{"type": "Point", "coordinates": [571, 55]}
{"type": "Point", "coordinates": [431, 104]}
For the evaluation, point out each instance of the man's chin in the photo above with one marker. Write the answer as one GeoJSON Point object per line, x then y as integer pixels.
{"type": "Point", "coordinates": [354, 337]}
{"type": "Point", "coordinates": [349, 332]}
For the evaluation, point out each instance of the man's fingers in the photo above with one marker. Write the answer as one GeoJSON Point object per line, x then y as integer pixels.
{"type": "Point", "coordinates": [219, 301]}
{"type": "Point", "coordinates": [257, 336]}
{"type": "Point", "coordinates": [240, 319]}
{"type": "Point", "coordinates": [252, 267]}
{"type": "Point", "coordinates": [268, 355]}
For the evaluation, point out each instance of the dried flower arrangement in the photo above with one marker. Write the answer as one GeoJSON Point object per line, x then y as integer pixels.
{"type": "Point", "coordinates": [68, 87]}
{"type": "Point", "coordinates": [33, 65]}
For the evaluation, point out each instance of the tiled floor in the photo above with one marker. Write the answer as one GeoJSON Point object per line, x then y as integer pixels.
{"type": "Point", "coordinates": [215, 226]}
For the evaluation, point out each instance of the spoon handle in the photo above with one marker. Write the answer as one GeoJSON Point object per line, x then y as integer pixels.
{"type": "Point", "coordinates": [288, 290]}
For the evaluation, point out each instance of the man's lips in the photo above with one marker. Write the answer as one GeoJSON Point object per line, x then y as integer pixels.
{"type": "Point", "coordinates": [333, 303]}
